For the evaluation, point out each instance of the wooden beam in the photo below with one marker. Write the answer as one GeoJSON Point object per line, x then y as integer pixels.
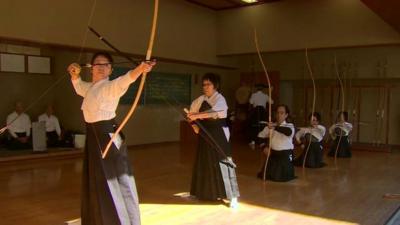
{"type": "Point", "coordinates": [202, 4]}
{"type": "Point", "coordinates": [236, 4]}
{"type": "Point", "coordinates": [6, 40]}
{"type": "Point", "coordinates": [394, 44]}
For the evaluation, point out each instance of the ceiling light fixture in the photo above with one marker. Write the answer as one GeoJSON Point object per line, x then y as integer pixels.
{"type": "Point", "coordinates": [250, 1]}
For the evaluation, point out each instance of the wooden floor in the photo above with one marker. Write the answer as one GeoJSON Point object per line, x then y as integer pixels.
{"type": "Point", "coordinates": [47, 192]}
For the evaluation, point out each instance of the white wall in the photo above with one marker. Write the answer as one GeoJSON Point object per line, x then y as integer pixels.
{"type": "Point", "coordinates": [185, 31]}
{"type": "Point", "coordinates": [363, 62]}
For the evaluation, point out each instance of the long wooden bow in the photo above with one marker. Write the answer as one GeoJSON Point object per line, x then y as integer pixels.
{"type": "Point", "coordinates": [269, 102]}
{"type": "Point", "coordinates": [142, 81]}
{"type": "Point", "coordinates": [313, 105]}
{"type": "Point", "coordinates": [343, 98]}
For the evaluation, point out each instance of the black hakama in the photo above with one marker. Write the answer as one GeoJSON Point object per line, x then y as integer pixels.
{"type": "Point", "coordinates": [280, 166]}
{"type": "Point", "coordinates": [52, 139]}
{"type": "Point", "coordinates": [109, 195]}
{"type": "Point", "coordinates": [343, 148]}
{"type": "Point", "coordinates": [15, 144]}
{"type": "Point", "coordinates": [314, 156]}
{"type": "Point", "coordinates": [213, 179]}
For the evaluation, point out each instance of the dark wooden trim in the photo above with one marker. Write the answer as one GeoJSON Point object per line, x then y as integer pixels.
{"type": "Point", "coordinates": [6, 40]}
{"type": "Point", "coordinates": [390, 83]}
{"type": "Point", "coordinates": [331, 114]}
{"type": "Point", "coordinates": [202, 5]}
{"type": "Point", "coordinates": [178, 61]}
{"type": "Point", "coordinates": [52, 65]}
{"type": "Point", "coordinates": [380, 8]}
{"type": "Point", "coordinates": [25, 63]}
{"type": "Point", "coordinates": [306, 107]}
{"type": "Point", "coordinates": [11, 53]}
{"type": "Point", "coordinates": [394, 44]}
{"type": "Point", "coordinates": [236, 5]}
{"type": "Point", "coordinates": [248, 5]}
{"type": "Point", "coordinates": [234, 2]}
{"type": "Point", "coordinates": [358, 113]}
{"type": "Point", "coordinates": [388, 114]}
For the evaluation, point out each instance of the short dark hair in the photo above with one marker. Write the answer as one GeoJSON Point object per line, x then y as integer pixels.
{"type": "Point", "coordinates": [104, 54]}
{"type": "Point", "coordinates": [316, 115]}
{"type": "Point", "coordinates": [213, 78]}
{"type": "Point", "coordinates": [287, 110]}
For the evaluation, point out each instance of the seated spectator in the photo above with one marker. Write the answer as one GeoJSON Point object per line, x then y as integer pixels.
{"type": "Point", "coordinates": [19, 129]}
{"type": "Point", "coordinates": [53, 130]}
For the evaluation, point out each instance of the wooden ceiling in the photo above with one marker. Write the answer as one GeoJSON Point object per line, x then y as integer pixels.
{"type": "Point", "coordinates": [388, 10]}
{"type": "Point", "coordinates": [226, 4]}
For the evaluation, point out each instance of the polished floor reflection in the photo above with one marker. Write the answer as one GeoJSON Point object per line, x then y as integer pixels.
{"type": "Point", "coordinates": [47, 192]}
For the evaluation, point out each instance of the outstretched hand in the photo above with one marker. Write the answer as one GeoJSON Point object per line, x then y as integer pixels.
{"type": "Point", "coordinates": [147, 66]}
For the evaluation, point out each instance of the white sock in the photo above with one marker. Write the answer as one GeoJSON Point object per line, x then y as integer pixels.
{"type": "Point", "coordinates": [234, 203]}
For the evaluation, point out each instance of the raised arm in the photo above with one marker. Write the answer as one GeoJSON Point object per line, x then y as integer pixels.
{"type": "Point", "coordinates": [81, 87]}
{"type": "Point", "coordinates": [119, 86]}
